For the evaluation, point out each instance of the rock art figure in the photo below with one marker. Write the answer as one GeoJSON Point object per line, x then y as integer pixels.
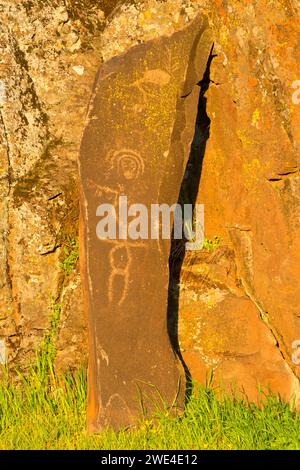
{"type": "Point", "coordinates": [136, 144]}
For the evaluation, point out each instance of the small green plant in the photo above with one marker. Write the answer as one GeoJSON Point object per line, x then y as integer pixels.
{"type": "Point", "coordinates": [211, 245]}
{"type": "Point", "coordinates": [46, 355]}
{"type": "Point", "coordinates": [207, 244]}
{"type": "Point", "coordinates": [71, 252]}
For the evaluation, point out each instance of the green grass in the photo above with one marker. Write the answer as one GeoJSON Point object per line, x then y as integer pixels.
{"type": "Point", "coordinates": [71, 256]}
{"type": "Point", "coordinates": [44, 411]}
{"type": "Point", "coordinates": [47, 353]}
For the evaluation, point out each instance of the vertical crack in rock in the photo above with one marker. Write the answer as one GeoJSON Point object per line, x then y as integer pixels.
{"type": "Point", "coordinates": [243, 245]}
{"type": "Point", "coordinates": [136, 143]}
{"type": "Point", "coordinates": [50, 51]}
{"type": "Point", "coordinates": [188, 195]}
{"type": "Point", "coordinates": [6, 175]}
{"type": "Point", "coordinates": [6, 284]}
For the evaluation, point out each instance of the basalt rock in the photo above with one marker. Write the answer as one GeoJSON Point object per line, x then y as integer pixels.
{"type": "Point", "coordinates": [245, 293]}
{"type": "Point", "coordinates": [136, 144]}
{"type": "Point", "coordinates": [49, 57]}
{"type": "Point", "coordinates": [239, 301]}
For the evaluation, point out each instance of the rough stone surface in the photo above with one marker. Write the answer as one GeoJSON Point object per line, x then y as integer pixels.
{"type": "Point", "coordinates": [50, 52]}
{"type": "Point", "coordinates": [221, 330]}
{"type": "Point", "coordinates": [250, 188]}
{"type": "Point", "coordinates": [136, 144]}
{"type": "Point", "coordinates": [49, 58]}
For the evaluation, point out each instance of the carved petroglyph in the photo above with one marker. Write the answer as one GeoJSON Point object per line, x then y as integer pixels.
{"type": "Point", "coordinates": [156, 78]}
{"type": "Point", "coordinates": [118, 401]}
{"type": "Point", "coordinates": [120, 260]}
{"type": "Point", "coordinates": [104, 192]}
{"type": "Point", "coordinates": [128, 164]}
{"type": "Point", "coordinates": [102, 354]}
{"type": "Point", "coordinates": [119, 256]}
{"type": "Point", "coordinates": [134, 150]}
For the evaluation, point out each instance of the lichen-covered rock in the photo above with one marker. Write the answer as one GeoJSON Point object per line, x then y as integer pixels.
{"type": "Point", "coordinates": [239, 303]}
{"type": "Point", "coordinates": [50, 52]}
{"type": "Point", "coordinates": [136, 144]}
{"type": "Point", "coordinates": [49, 57]}
{"type": "Point", "coordinates": [250, 187]}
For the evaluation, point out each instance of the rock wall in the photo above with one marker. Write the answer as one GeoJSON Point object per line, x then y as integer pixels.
{"type": "Point", "coordinates": [239, 302]}
{"type": "Point", "coordinates": [49, 57]}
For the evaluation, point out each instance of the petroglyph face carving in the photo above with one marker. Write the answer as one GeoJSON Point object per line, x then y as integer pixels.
{"type": "Point", "coordinates": [128, 164]}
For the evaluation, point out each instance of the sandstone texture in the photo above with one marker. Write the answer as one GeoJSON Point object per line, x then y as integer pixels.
{"type": "Point", "coordinates": [239, 296]}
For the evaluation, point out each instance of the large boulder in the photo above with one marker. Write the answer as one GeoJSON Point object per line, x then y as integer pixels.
{"type": "Point", "coordinates": [136, 144]}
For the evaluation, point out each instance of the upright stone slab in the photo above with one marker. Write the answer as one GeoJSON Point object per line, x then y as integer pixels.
{"type": "Point", "coordinates": [136, 143]}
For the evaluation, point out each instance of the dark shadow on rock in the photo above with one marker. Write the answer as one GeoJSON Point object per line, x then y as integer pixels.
{"type": "Point", "coordinates": [188, 195]}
